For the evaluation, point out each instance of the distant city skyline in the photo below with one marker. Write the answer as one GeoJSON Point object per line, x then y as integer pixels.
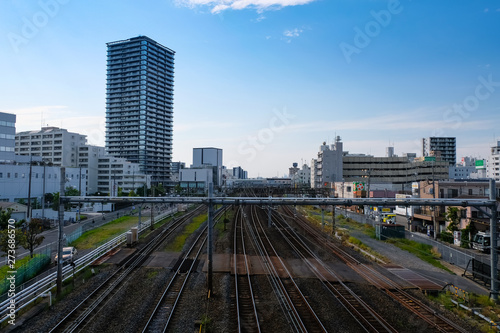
{"type": "Point", "coordinates": [269, 83]}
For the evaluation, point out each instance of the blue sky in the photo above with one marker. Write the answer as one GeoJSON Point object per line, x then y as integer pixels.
{"type": "Point", "coordinates": [268, 80]}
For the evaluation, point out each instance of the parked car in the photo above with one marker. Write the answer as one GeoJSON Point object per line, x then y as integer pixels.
{"type": "Point", "coordinates": [68, 254]}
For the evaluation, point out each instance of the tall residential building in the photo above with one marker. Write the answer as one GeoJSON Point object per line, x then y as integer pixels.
{"type": "Point", "coordinates": [446, 147]}
{"type": "Point", "coordinates": [139, 104]}
{"type": "Point", "coordinates": [54, 145]}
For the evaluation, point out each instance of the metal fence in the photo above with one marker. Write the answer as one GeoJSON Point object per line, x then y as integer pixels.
{"type": "Point", "coordinates": [28, 270]}
{"type": "Point", "coordinates": [454, 255]}
{"type": "Point", "coordinates": [28, 292]}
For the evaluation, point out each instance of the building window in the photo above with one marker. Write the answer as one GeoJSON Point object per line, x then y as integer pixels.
{"type": "Point", "coordinates": [470, 191]}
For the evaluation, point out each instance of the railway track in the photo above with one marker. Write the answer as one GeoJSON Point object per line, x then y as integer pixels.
{"type": "Point", "coordinates": [248, 319]}
{"type": "Point", "coordinates": [162, 315]}
{"type": "Point", "coordinates": [77, 319]}
{"type": "Point", "coordinates": [302, 316]}
{"type": "Point", "coordinates": [382, 282]}
{"type": "Point", "coordinates": [367, 318]}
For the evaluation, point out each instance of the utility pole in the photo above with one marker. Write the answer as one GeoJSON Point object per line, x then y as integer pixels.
{"type": "Point", "coordinates": [28, 217]}
{"type": "Point", "coordinates": [139, 222]}
{"type": "Point", "coordinates": [333, 220]}
{"type": "Point", "coordinates": [79, 193]}
{"type": "Point", "coordinates": [210, 235]}
{"type": "Point", "coordinates": [494, 238]}
{"type": "Point", "coordinates": [43, 192]}
{"type": "Point", "coordinates": [434, 207]}
{"type": "Point", "coordinates": [152, 226]}
{"type": "Point", "coordinates": [61, 232]}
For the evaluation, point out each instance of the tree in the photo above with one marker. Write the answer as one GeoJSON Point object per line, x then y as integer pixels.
{"type": "Point", "coordinates": [32, 237]}
{"type": "Point", "coordinates": [5, 245]}
{"type": "Point", "coordinates": [49, 198]}
{"type": "Point", "coordinates": [159, 190]}
{"type": "Point", "coordinates": [55, 201]}
{"type": "Point", "coordinates": [71, 192]}
{"type": "Point", "coordinates": [132, 194]}
{"type": "Point", "coordinates": [68, 192]}
{"type": "Point", "coordinates": [178, 189]}
{"type": "Point", "coordinates": [4, 218]}
{"type": "Point", "coordinates": [453, 216]}
{"type": "Point", "coordinates": [140, 192]}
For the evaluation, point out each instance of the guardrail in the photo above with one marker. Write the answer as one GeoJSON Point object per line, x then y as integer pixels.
{"type": "Point", "coordinates": [29, 294]}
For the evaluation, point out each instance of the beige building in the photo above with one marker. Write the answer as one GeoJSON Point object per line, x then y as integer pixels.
{"type": "Point", "coordinates": [450, 189]}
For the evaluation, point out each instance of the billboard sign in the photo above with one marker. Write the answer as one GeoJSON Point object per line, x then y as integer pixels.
{"type": "Point", "coordinates": [480, 165]}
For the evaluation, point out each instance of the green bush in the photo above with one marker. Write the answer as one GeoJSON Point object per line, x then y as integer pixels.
{"type": "Point", "coordinates": [447, 237]}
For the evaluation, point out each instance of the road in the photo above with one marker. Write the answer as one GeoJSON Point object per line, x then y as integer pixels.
{"type": "Point", "coordinates": [51, 236]}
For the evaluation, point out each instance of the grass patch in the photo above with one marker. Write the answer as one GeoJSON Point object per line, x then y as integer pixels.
{"type": "Point", "coordinates": [179, 241]}
{"type": "Point", "coordinates": [26, 268]}
{"type": "Point", "coordinates": [481, 303]}
{"type": "Point", "coordinates": [24, 261]}
{"type": "Point", "coordinates": [100, 235]}
{"type": "Point", "coordinates": [365, 248]}
{"type": "Point", "coordinates": [229, 216]}
{"type": "Point", "coordinates": [152, 274]}
{"type": "Point", "coordinates": [423, 251]}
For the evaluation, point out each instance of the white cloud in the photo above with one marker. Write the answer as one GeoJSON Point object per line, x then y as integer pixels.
{"type": "Point", "coordinates": [261, 5]}
{"type": "Point", "coordinates": [288, 35]}
{"type": "Point", "coordinates": [292, 33]}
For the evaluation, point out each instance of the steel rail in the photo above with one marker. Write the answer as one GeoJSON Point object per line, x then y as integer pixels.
{"type": "Point", "coordinates": [303, 309]}
{"type": "Point", "coordinates": [245, 283]}
{"type": "Point", "coordinates": [30, 294]}
{"type": "Point", "coordinates": [274, 279]}
{"type": "Point", "coordinates": [156, 316]}
{"type": "Point", "coordinates": [391, 288]}
{"type": "Point", "coordinates": [105, 289]}
{"type": "Point", "coordinates": [368, 318]}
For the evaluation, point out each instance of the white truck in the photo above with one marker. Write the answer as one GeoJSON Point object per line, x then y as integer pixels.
{"type": "Point", "coordinates": [482, 241]}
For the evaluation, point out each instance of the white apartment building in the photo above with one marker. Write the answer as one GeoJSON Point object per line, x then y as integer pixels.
{"type": "Point", "coordinates": [327, 167]}
{"type": "Point", "coordinates": [302, 177]}
{"type": "Point", "coordinates": [54, 145]}
{"type": "Point", "coordinates": [493, 163]}
{"type": "Point", "coordinates": [115, 173]}
{"type": "Point", "coordinates": [88, 157]}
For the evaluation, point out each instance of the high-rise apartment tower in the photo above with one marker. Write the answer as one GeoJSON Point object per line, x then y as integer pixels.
{"type": "Point", "coordinates": [139, 104]}
{"type": "Point", "coordinates": [446, 147]}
